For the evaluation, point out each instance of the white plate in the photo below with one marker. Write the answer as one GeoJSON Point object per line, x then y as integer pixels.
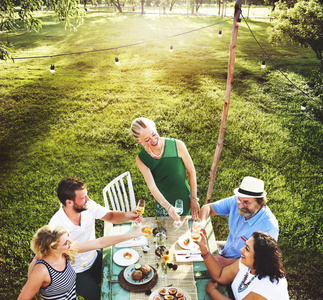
{"type": "Point", "coordinates": [156, 292]}
{"type": "Point", "coordinates": [128, 276]}
{"type": "Point", "coordinates": [191, 246]}
{"type": "Point", "coordinates": [121, 260]}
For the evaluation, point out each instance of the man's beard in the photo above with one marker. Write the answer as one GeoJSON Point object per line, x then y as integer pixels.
{"type": "Point", "coordinates": [79, 209]}
{"type": "Point", "coordinates": [247, 214]}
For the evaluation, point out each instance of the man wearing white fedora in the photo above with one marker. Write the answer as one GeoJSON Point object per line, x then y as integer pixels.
{"type": "Point", "coordinates": [247, 212]}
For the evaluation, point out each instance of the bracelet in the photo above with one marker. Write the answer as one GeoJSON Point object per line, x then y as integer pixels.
{"type": "Point", "coordinates": [168, 207]}
{"type": "Point", "coordinates": [206, 255]}
{"type": "Point", "coordinates": [211, 290]}
{"type": "Point", "coordinates": [194, 198]}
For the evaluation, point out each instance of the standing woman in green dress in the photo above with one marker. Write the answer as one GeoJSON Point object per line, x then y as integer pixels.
{"type": "Point", "coordinates": [164, 163]}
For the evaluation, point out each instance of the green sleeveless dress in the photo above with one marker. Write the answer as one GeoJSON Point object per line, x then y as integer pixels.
{"type": "Point", "coordinates": [170, 176]}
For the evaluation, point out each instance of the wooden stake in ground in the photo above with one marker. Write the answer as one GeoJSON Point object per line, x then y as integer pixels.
{"type": "Point", "coordinates": [216, 159]}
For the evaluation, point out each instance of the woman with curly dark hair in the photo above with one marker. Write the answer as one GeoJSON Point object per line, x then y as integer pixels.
{"type": "Point", "coordinates": [259, 273]}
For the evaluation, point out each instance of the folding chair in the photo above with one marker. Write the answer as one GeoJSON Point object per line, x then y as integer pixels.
{"type": "Point", "coordinates": [121, 195]}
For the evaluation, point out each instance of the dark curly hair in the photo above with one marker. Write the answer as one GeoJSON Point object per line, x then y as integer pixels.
{"type": "Point", "coordinates": [67, 187]}
{"type": "Point", "coordinates": [268, 257]}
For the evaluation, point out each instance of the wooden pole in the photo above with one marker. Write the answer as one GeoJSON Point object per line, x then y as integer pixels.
{"type": "Point", "coordinates": [216, 159]}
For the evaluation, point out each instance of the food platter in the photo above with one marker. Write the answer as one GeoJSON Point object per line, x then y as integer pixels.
{"type": "Point", "coordinates": [156, 294]}
{"type": "Point", "coordinates": [126, 257]}
{"type": "Point", "coordinates": [128, 276]}
{"type": "Point", "coordinates": [186, 242]}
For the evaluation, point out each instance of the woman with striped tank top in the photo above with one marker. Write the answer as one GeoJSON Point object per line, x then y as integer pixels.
{"type": "Point", "coordinates": [51, 273]}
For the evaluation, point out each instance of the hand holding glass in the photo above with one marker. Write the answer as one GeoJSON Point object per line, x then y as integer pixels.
{"type": "Point", "coordinates": [179, 209]}
{"type": "Point", "coordinates": [147, 229]}
{"type": "Point", "coordinates": [140, 207]}
{"type": "Point", "coordinates": [196, 230]}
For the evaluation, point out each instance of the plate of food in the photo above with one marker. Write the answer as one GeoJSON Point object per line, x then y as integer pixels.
{"type": "Point", "coordinates": [169, 293]}
{"type": "Point", "coordinates": [125, 257]}
{"type": "Point", "coordinates": [186, 242]}
{"type": "Point", "coordinates": [138, 274]}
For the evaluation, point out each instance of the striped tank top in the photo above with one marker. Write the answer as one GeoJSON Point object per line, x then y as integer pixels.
{"type": "Point", "coordinates": [63, 283]}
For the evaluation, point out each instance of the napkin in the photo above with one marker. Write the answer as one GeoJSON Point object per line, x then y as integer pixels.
{"type": "Point", "coordinates": [139, 241]}
{"type": "Point", "coordinates": [187, 256]}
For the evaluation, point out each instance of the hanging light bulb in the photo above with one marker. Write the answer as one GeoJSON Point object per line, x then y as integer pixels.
{"type": "Point", "coordinates": [171, 48]}
{"type": "Point", "coordinates": [116, 61]}
{"type": "Point", "coordinates": [52, 68]}
{"type": "Point", "coordinates": [220, 33]}
{"type": "Point", "coordinates": [263, 64]}
{"type": "Point", "coordinates": [303, 106]}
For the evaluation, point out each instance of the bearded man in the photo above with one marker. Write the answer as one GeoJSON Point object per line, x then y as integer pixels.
{"type": "Point", "coordinates": [78, 214]}
{"type": "Point", "coordinates": [248, 212]}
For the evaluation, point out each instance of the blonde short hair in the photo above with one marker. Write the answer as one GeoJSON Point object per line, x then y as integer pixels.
{"type": "Point", "coordinates": [46, 239]}
{"type": "Point", "coordinates": [139, 124]}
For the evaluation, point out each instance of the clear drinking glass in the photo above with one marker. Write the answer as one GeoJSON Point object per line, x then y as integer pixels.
{"type": "Point", "coordinates": [196, 229]}
{"type": "Point", "coordinates": [140, 210]}
{"type": "Point", "coordinates": [141, 207]}
{"type": "Point", "coordinates": [179, 209]}
{"type": "Point", "coordinates": [147, 228]}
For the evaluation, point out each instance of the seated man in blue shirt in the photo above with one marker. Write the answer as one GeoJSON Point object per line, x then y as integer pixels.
{"type": "Point", "coordinates": [247, 212]}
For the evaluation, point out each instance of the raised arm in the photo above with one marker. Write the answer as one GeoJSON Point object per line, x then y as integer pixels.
{"type": "Point", "coordinates": [118, 217]}
{"type": "Point", "coordinates": [108, 241]}
{"type": "Point", "coordinates": [190, 169]}
{"type": "Point", "coordinates": [221, 275]}
{"type": "Point", "coordinates": [145, 171]}
{"type": "Point", "coordinates": [206, 211]}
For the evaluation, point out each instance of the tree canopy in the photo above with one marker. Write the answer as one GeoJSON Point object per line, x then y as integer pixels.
{"type": "Point", "coordinates": [16, 14]}
{"type": "Point", "coordinates": [301, 24]}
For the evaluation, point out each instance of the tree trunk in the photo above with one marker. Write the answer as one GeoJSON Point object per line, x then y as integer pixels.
{"type": "Point", "coordinates": [219, 146]}
{"type": "Point", "coordinates": [116, 3]}
{"type": "Point", "coordinates": [172, 4]}
{"type": "Point", "coordinates": [142, 6]}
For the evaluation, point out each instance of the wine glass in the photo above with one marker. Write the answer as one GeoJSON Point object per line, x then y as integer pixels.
{"type": "Point", "coordinates": [179, 209]}
{"type": "Point", "coordinates": [196, 229]}
{"type": "Point", "coordinates": [147, 228]}
{"type": "Point", "coordinates": [139, 210]}
{"type": "Point", "coordinates": [141, 207]}
{"type": "Point", "coordinates": [160, 244]}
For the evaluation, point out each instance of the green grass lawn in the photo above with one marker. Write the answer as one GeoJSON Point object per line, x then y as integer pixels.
{"type": "Point", "coordinates": [76, 122]}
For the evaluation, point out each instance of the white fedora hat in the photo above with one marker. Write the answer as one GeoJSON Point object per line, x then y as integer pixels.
{"type": "Point", "coordinates": [251, 187]}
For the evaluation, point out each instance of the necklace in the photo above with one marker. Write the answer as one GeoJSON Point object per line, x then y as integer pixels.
{"type": "Point", "coordinates": [161, 152]}
{"type": "Point", "coordinates": [243, 285]}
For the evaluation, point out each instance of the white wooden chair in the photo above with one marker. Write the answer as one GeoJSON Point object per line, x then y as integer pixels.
{"type": "Point", "coordinates": [121, 195]}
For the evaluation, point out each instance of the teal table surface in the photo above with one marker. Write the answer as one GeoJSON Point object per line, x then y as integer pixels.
{"type": "Point", "coordinates": [111, 289]}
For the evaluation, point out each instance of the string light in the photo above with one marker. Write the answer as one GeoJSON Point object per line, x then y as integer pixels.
{"type": "Point", "coordinates": [271, 61]}
{"type": "Point", "coordinates": [303, 106]}
{"type": "Point", "coordinates": [124, 46]}
{"type": "Point", "coordinates": [171, 48]}
{"type": "Point", "coordinates": [116, 59]}
{"type": "Point", "coordinates": [263, 64]}
{"type": "Point", "coordinates": [117, 62]}
{"type": "Point", "coordinates": [52, 69]}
